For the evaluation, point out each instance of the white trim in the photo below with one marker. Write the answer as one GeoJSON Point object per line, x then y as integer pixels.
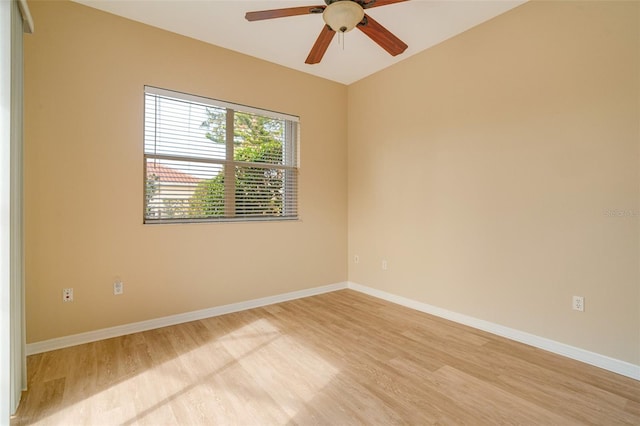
{"type": "Point", "coordinates": [611, 364]}
{"type": "Point", "coordinates": [121, 330]}
{"type": "Point", "coordinates": [6, 34]}
{"type": "Point", "coordinates": [18, 372]}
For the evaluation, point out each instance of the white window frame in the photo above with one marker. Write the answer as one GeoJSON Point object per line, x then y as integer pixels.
{"type": "Point", "coordinates": [290, 160]}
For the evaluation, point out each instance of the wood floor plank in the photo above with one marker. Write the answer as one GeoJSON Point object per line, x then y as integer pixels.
{"type": "Point", "coordinates": [491, 404]}
{"type": "Point", "coordinates": [338, 358]}
{"type": "Point", "coordinates": [614, 383]}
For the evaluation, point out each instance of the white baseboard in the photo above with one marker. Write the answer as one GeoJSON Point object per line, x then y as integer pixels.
{"type": "Point", "coordinates": [611, 364]}
{"type": "Point", "coordinates": [121, 330]}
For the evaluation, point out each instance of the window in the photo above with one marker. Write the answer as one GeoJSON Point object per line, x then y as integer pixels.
{"type": "Point", "coordinates": [209, 160]}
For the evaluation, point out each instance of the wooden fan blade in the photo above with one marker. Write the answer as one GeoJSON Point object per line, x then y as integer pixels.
{"type": "Point", "coordinates": [382, 36]}
{"type": "Point", "coordinates": [321, 45]}
{"type": "Point", "coordinates": [282, 13]}
{"type": "Point", "coordinates": [377, 3]}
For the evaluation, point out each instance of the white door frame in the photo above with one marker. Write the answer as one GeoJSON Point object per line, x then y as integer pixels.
{"type": "Point", "coordinates": [14, 19]}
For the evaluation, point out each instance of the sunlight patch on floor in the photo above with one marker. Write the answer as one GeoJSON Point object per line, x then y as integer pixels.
{"type": "Point", "coordinates": [251, 374]}
{"type": "Point", "coordinates": [285, 372]}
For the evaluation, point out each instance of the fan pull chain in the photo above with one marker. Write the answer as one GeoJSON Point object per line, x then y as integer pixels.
{"type": "Point", "coordinates": [341, 39]}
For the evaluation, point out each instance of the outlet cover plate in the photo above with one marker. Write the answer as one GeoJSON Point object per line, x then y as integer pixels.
{"type": "Point", "coordinates": [67, 295]}
{"type": "Point", "coordinates": [578, 303]}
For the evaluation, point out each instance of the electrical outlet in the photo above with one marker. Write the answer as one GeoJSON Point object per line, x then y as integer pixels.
{"type": "Point", "coordinates": [356, 259]}
{"type": "Point", "coordinates": [67, 295]}
{"type": "Point", "coordinates": [118, 287]}
{"type": "Point", "coordinates": [578, 303]}
{"type": "Point", "coordinates": [385, 265]}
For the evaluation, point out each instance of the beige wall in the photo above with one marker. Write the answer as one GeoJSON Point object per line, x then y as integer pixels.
{"type": "Point", "coordinates": [84, 77]}
{"type": "Point", "coordinates": [483, 170]}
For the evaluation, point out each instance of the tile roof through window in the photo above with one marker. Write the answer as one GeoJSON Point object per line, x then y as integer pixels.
{"type": "Point", "coordinates": [167, 174]}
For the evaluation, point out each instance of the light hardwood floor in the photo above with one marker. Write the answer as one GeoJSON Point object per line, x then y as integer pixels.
{"type": "Point", "coordinates": [335, 359]}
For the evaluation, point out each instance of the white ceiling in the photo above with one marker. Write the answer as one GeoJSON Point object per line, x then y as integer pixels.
{"type": "Point", "coordinates": [287, 41]}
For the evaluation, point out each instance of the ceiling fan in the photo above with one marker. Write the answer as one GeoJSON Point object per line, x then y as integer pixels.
{"type": "Point", "coordinates": [340, 16]}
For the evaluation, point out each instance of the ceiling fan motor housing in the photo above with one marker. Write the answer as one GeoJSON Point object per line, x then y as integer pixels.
{"type": "Point", "coordinates": [343, 15]}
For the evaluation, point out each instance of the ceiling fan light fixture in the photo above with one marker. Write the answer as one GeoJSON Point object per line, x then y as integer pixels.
{"type": "Point", "coordinates": [343, 15]}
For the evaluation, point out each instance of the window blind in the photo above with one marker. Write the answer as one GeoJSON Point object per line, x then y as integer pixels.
{"type": "Point", "coordinates": [209, 160]}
